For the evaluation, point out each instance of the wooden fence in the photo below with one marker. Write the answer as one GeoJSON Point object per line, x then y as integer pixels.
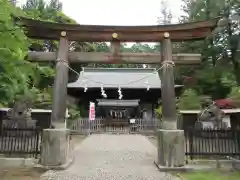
{"type": "Point", "coordinates": [212, 143]}
{"type": "Point", "coordinates": [84, 126]}
{"type": "Point", "coordinates": [20, 141]}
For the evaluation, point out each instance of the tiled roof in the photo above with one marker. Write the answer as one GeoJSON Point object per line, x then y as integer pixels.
{"type": "Point", "coordinates": [132, 78]}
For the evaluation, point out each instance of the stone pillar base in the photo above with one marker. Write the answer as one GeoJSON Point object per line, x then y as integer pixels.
{"type": "Point", "coordinates": [55, 147]}
{"type": "Point", "coordinates": [171, 152]}
{"type": "Point", "coordinates": [167, 124]}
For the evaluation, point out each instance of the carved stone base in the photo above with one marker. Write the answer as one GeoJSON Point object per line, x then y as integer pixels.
{"type": "Point", "coordinates": [24, 124]}
{"type": "Point", "coordinates": [171, 150]}
{"type": "Point", "coordinates": [19, 124]}
{"type": "Point", "coordinates": [55, 147]}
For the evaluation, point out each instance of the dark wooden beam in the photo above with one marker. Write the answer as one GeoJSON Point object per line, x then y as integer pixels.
{"type": "Point", "coordinates": [181, 35]}
{"type": "Point", "coordinates": [93, 33]}
{"type": "Point", "coordinates": [128, 58]}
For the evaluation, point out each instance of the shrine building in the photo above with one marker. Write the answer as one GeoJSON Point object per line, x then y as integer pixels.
{"type": "Point", "coordinates": [140, 89]}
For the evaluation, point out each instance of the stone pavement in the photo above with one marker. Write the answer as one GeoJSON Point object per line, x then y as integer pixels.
{"type": "Point", "coordinates": [112, 157]}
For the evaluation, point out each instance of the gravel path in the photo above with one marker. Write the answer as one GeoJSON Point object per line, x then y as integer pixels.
{"type": "Point", "coordinates": [112, 157]}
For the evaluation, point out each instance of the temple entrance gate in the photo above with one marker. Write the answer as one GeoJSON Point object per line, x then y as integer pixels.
{"type": "Point", "coordinates": [170, 137]}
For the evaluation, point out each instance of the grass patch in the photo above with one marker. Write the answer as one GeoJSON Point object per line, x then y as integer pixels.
{"type": "Point", "coordinates": [210, 175]}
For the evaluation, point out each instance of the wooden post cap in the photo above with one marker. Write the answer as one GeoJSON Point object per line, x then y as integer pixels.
{"type": "Point", "coordinates": [166, 35]}
{"type": "Point", "coordinates": [115, 35]}
{"type": "Point", "coordinates": [63, 33]}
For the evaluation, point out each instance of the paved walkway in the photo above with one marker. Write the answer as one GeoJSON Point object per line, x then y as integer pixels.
{"type": "Point", "coordinates": [112, 157]}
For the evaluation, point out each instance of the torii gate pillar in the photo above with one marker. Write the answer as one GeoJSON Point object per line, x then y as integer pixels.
{"type": "Point", "coordinates": [59, 105]}
{"type": "Point", "coordinates": [167, 85]}
{"type": "Point", "coordinates": [55, 151]}
{"type": "Point", "coordinates": [170, 139]}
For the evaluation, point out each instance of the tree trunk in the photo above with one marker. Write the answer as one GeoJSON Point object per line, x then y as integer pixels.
{"type": "Point", "coordinates": [236, 68]}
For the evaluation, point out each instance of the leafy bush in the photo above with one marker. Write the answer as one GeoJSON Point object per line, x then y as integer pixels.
{"type": "Point", "coordinates": [74, 114]}
{"type": "Point", "coordinates": [235, 95]}
{"type": "Point", "coordinates": [189, 100]}
{"type": "Point", "coordinates": [158, 112]}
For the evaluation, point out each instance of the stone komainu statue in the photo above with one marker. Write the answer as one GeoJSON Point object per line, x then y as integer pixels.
{"type": "Point", "coordinates": [19, 116]}
{"type": "Point", "coordinates": [211, 117]}
{"type": "Point", "coordinates": [20, 111]}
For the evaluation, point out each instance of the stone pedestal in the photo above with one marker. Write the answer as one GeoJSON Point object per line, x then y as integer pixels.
{"type": "Point", "coordinates": [55, 150]}
{"type": "Point", "coordinates": [171, 152]}
{"type": "Point", "coordinates": [19, 124]}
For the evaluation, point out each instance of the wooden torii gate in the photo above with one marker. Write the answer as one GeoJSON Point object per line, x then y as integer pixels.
{"type": "Point", "coordinates": [54, 145]}
{"type": "Point", "coordinates": [115, 34]}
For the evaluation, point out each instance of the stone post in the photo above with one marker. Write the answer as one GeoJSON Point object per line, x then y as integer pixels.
{"type": "Point", "coordinates": [55, 147]}
{"type": "Point", "coordinates": [170, 140]}
{"type": "Point", "coordinates": [55, 151]}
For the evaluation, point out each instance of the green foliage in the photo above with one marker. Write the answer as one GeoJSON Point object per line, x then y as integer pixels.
{"type": "Point", "coordinates": [213, 175]}
{"type": "Point", "coordinates": [189, 100]}
{"type": "Point", "coordinates": [44, 74]}
{"type": "Point", "coordinates": [74, 114]}
{"type": "Point", "coordinates": [220, 68]}
{"type": "Point", "coordinates": [52, 11]}
{"type": "Point", "coordinates": [73, 111]}
{"type": "Point", "coordinates": [158, 112]}
{"type": "Point", "coordinates": [19, 77]}
{"type": "Point", "coordinates": [212, 81]}
{"type": "Point", "coordinates": [13, 49]}
{"type": "Point", "coordinates": [235, 95]}
{"type": "Point", "coordinates": [42, 98]}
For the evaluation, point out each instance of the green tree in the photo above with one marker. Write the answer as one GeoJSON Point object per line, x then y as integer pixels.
{"type": "Point", "coordinates": [13, 46]}
{"type": "Point", "coordinates": [235, 95]}
{"type": "Point", "coordinates": [52, 11]}
{"type": "Point", "coordinates": [18, 76]}
{"type": "Point", "coordinates": [219, 60]}
{"type": "Point", "coordinates": [189, 100]}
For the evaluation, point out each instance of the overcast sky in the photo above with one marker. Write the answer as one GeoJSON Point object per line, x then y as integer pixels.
{"type": "Point", "coordinates": [117, 12]}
